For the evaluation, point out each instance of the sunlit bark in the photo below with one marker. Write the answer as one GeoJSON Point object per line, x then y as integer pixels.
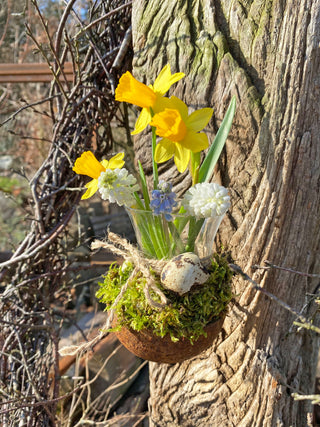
{"type": "Point", "coordinates": [267, 54]}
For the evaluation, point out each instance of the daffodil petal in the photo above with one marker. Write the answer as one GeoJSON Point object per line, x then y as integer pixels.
{"type": "Point", "coordinates": [115, 162]}
{"type": "Point", "coordinates": [92, 188]}
{"type": "Point", "coordinates": [161, 103]}
{"type": "Point", "coordinates": [131, 90]}
{"type": "Point", "coordinates": [88, 165]}
{"type": "Point", "coordinates": [176, 103]}
{"type": "Point", "coordinates": [105, 163]}
{"type": "Point", "coordinates": [181, 158]}
{"type": "Point", "coordinates": [195, 141]}
{"type": "Point", "coordinates": [142, 122]}
{"type": "Point", "coordinates": [199, 119]}
{"type": "Point", "coordinates": [165, 149]}
{"type": "Point", "coordinates": [165, 80]}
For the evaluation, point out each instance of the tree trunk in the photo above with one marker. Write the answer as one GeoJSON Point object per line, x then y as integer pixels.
{"type": "Point", "coordinates": [267, 54]}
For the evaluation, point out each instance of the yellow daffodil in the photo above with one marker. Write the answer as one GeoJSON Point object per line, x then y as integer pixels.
{"type": "Point", "coordinates": [149, 98]}
{"type": "Point", "coordinates": [87, 164]}
{"type": "Point", "coordinates": [180, 133]}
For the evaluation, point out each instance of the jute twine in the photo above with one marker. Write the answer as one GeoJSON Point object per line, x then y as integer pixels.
{"type": "Point", "coordinates": [119, 246]}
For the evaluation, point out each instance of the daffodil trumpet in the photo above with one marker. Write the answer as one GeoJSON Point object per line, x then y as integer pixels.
{"type": "Point", "coordinates": [150, 98]}
{"type": "Point", "coordinates": [181, 133]}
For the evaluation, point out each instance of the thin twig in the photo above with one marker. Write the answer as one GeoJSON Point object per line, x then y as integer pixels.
{"type": "Point", "coordinates": [123, 49]}
{"type": "Point", "coordinates": [16, 113]}
{"type": "Point", "coordinates": [315, 398]}
{"type": "Point", "coordinates": [290, 270]}
{"type": "Point", "coordinates": [304, 321]}
{"type": "Point", "coordinates": [39, 403]}
{"type": "Point", "coordinates": [102, 18]}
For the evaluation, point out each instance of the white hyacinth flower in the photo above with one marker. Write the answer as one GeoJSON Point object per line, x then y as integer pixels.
{"type": "Point", "coordinates": [206, 200]}
{"type": "Point", "coordinates": [117, 186]}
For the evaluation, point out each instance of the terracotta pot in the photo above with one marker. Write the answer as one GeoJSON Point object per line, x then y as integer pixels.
{"type": "Point", "coordinates": [148, 346]}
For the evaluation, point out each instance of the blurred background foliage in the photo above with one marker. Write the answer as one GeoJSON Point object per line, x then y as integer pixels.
{"type": "Point", "coordinates": [26, 138]}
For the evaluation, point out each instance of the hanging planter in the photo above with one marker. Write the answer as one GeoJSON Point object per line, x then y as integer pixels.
{"type": "Point", "coordinates": [148, 346]}
{"type": "Point", "coordinates": [159, 324]}
{"type": "Point", "coordinates": [170, 296]}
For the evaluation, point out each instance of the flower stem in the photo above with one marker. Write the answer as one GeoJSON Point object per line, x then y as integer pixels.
{"type": "Point", "coordinates": [144, 187]}
{"type": "Point", "coordinates": [139, 202]}
{"type": "Point", "coordinates": [194, 229]}
{"type": "Point", "coordinates": [195, 166]}
{"type": "Point", "coordinates": [154, 164]}
{"type": "Point", "coordinates": [177, 245]}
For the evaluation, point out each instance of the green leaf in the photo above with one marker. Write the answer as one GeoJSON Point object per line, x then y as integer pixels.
{"type": "Point", "coordinates": [139, 202]}
{"type": "Point", "coordinates": [144, 186]}
{"type": "Point", "coordinates": [207, 167]}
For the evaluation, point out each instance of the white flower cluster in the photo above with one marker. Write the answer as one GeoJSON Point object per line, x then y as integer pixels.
{"type": "Point", "coordinates": [206, 200]}
{"type": "Point", "coordinates": [117, 186]}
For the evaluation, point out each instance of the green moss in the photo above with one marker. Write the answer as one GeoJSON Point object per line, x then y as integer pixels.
{"type": "Point", "coordinates": [184, 317]}
{"type": "Point", "coordinates": [221, 45]}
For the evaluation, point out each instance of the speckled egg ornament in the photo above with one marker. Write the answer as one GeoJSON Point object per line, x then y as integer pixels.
{"type": "Point", "coordinates": [182, 272]}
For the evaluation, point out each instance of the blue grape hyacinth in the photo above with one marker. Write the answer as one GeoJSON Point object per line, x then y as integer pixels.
{"type": "Point", "coordinates": [163, 200]}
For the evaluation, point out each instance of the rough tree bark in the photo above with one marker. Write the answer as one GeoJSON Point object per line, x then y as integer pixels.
{"type": "Point", "coordinates": [266, 52]}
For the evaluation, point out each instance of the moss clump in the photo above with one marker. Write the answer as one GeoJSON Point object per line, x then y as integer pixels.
{"type": "Point", "coordinates": [184, 317]}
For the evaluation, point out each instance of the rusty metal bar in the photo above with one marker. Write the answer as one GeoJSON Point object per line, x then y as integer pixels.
{"type": "Point", "coordinates": [31, 73]}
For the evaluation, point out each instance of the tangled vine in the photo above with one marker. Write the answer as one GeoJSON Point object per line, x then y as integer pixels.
{"type": "Point", "coordinates": [37, 273]}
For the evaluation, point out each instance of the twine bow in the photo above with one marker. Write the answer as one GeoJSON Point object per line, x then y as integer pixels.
{"type": "Point", "coordinates": [123, 248]}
